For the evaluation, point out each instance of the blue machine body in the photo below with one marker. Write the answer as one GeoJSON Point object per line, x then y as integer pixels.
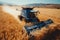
{"type": "Point", "coordinates": [28, 14]}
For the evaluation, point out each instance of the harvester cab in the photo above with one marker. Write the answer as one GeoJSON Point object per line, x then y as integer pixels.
{"type": "Point", "coordinates": [29, 15]}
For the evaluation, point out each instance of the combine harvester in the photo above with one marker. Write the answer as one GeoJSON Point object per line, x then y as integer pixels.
{"type": "Point", "coordinates": [29, 15]}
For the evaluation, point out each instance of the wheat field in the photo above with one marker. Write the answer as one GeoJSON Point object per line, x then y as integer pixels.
{"type": "Point", "coordinates": [11, 28]}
